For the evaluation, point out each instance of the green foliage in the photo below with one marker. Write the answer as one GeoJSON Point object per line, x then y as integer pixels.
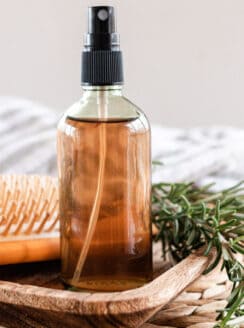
{"type": "Point", "coordinates": [189, 217]}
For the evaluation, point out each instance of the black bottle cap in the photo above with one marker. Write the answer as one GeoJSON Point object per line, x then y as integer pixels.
{"type": "Point", "coordinates": [101, 58]}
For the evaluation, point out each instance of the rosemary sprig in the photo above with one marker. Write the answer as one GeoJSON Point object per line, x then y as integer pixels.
{"type": "Point", "coordinates": [189, 217]}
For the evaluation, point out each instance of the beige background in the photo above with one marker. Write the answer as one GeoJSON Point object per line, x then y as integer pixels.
{"type": "Point", "coordinates": [184, 59]}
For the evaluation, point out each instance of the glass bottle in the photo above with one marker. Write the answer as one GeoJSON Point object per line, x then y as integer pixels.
{"type": "Point", "coordinates": [105, 187]}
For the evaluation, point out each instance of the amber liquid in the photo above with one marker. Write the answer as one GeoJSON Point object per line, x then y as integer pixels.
{"type": "Point", "coordinates": [120, 254]}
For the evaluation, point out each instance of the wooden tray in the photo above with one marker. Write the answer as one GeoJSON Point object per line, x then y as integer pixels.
{"type": "Point", "coordinates": [31, 295]}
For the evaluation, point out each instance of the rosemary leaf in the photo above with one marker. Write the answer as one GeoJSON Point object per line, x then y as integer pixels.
{"type": "Point", "coordinates": [189, 217]}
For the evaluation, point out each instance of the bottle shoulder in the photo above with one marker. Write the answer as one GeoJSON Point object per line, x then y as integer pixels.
{"type": "Point", "coordinates": [135, 124]}
{"type": "Point", "coordinates": [104, 109]}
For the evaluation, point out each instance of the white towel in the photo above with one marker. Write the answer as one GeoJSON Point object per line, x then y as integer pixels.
{"type": "Point", "coordinates": [203, 154]}
{"type": "Point", "coordinates": [27, 138]}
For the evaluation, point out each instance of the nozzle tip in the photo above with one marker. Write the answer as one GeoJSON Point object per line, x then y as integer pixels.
{"type": "Point", "coordinates": [101, 19]}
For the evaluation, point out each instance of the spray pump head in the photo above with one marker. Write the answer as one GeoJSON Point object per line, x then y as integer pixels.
{"type": "Point", "coordinates": [102, 58]}
{"type": "Point", "coordinates": [101, 29]}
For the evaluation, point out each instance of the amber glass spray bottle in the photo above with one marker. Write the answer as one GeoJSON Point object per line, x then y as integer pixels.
{"type": "Point", "coordinates": [104, 173]}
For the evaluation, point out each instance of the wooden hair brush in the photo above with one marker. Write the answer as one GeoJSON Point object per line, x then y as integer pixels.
{"type": "Point", "coordinates": [29, 225]}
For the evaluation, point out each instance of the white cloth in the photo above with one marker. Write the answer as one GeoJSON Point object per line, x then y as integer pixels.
{"type": "Point", "coordinates": [204, 154]}
{"type": "Point", "coordinates": [27, 138]}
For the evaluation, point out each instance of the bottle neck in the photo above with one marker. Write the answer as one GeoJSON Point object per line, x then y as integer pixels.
{"type": "Point", "coordinates": [97, 91]}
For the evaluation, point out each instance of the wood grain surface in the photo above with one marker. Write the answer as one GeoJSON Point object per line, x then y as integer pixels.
{"type": "Point", "coordinates": [31, 295]}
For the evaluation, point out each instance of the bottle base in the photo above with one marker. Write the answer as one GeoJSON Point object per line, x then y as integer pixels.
{"type": "Point", "coordinates": [105, 285]}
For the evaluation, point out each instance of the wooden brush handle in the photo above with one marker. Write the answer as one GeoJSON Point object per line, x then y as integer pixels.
{"type": "Point", "coordinates": [29, 251]}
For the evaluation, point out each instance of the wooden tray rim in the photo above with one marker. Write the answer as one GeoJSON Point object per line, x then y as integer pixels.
{"type": "Point", "coordinates": [153, 295]}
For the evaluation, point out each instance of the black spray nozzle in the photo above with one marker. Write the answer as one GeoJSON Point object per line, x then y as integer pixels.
{"type": "Point", "coordinates": [101, 29]}
{"type": "Point", "coordinates": [101, 20]}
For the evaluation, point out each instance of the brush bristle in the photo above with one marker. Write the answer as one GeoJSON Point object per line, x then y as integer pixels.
{"type": "Point", "coordinates": [28, 207]}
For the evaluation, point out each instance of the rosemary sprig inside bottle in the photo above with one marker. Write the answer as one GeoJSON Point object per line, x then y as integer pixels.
{"type": "Point", "coordinates": [189, 217]}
